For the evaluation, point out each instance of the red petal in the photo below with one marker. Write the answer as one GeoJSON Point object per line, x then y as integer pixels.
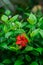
{"type": "Point", "coordinates": [23, 44]}
{"type": "Point", "coordinates": [18, 42]}
{"type": "Point", "coordinates": [22, 37]}
{"type": "Point", "coordinates": [25, 40]}
{"type": "Point", "coordinates": [19, 37]}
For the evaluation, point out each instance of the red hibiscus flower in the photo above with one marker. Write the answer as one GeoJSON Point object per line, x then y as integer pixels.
{"type": "Point", "coordinates": [21, 40]}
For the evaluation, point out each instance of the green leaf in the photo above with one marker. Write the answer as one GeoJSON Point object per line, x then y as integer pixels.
{"type": "Point", "coordinates": [8, 34]}
{"type": "Point", "coordinates": [19, 31]}
{"type": "Point", "coordinates": [27, 57]}
{"type": "Point", "coordinates": [39, 50]}
{"type": "Point", "coordinates": [40, 23]}
{"type": "Point", "coordinates": [18, 24]}
{"type": "Point", "coordinates": [24, 24]}
{"type": "Point", "coordinates": [27, 14]}
{"type": "Point", "coordinates": [14, 18]}
{"type": "Point", "coordinates": [5, 29]}
{"type": "Point", "coordinates": [34, 33]}
{"type": "Point", "coordinates": [4, 18]}
{"type": "Point", "coordinates": [32, 19]}
{"type": "Point", "coordinates": [6, 61]}
{"type": "Point", "coordinates": [1, 64]}
{"type": "Point", "coordinates": [41, 61]}
{"type": "Point", "coordinates": [41, 33]}
{"type": "Point", "coordinates": [41, 20]}
{"type": "Point", "coordinates": [7, 12]}
{"type": "Point", "coordinates": [3, 45]}
{"type": "Point", "coordinates": [29, 48]}
{"type": "Point", "coordinates": [12, 48]}
{"type": "Point", "coordinates": [18, 62]}
{"type": "Point", "coordinates": [35, 53]}
{"type": "Point", "coordinates": [34, 63]}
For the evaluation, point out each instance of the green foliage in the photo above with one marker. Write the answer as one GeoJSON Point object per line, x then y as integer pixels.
{"type": "Point", "coordinates": [7, 12]}
{"type": "Point", "coordinates": [6, 61]}
{"type": "Point", "coordinates": [34, 63]}
{"type": "Point", "coordinates": [39, 50]}
{"type": "Point", "coordinates": [31, 27]}
{"type": "Point", "coordinates": [28, 58]}
{"type": "Point", "coordinates": [29, 48]}
{"type": "Point", "coordinates": [40, 23]}
{"type": "Point", "coordinates": [34, 33]}
{"type": "Point", "coordinates": [7, 35]}
{"type": "Point", "coordinates": [41, 33]}
{"type": "Point", "coordinates": [14, 18]}
{"type": "Point", "coordinates": [1, 64]}
{"type": "Point", "coordinates": [32, 19]}
{"type": "Point", "coordinates": [18, 62]}
{"type": "Point", "coordinates": [4, 18]}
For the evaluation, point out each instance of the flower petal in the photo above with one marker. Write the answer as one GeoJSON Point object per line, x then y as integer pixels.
{"type": "Point", "coordinates": [23, 44]}
{"type": "Point", "coordinates": [18, 42]}
{"type": "Point", "coordinates": [19, 37]}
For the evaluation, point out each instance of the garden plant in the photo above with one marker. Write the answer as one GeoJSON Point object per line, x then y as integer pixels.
{"type": "Point", "coordinates": [21, 39]}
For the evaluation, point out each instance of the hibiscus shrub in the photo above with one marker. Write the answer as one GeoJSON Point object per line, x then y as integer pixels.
{"type": "Point", "coordinates": [21, 39]}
